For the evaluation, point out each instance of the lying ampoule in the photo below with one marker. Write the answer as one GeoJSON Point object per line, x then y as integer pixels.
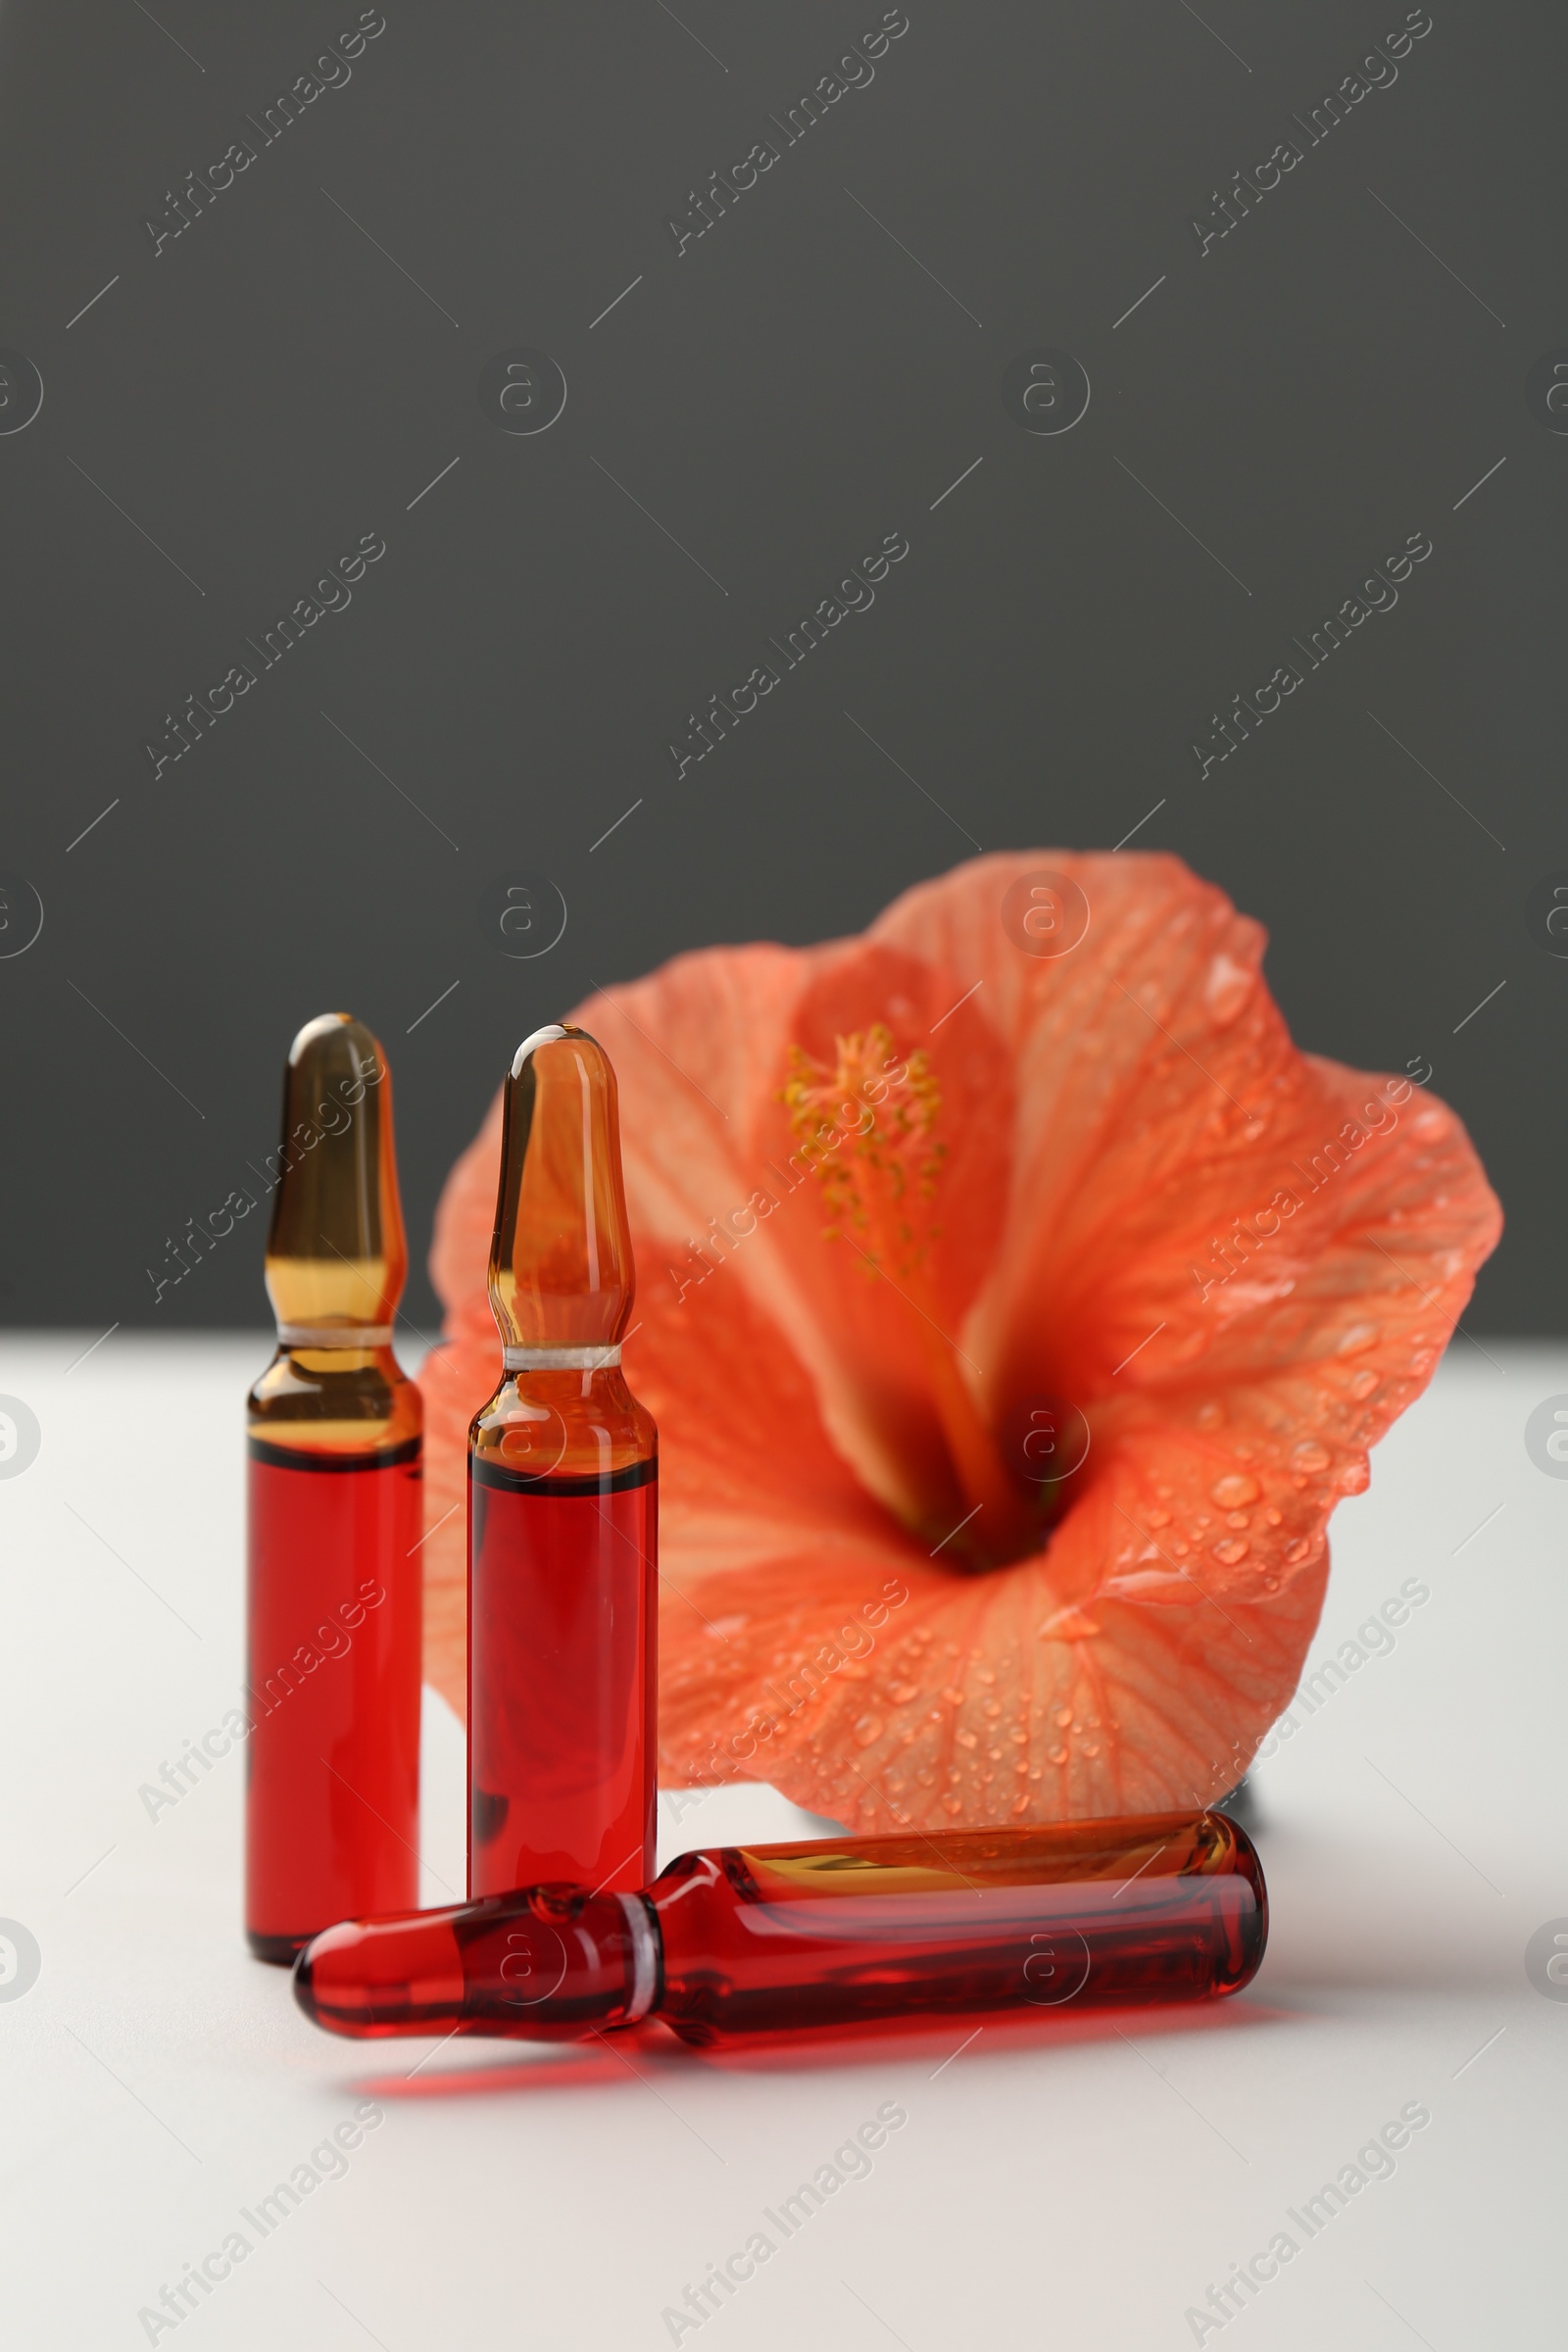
{"type": "Point", "coordinates": [750, 1941]}
{"type": "Point", "coordinates": [562, 1505]}
{"type": "Point", "coordinates": [335, 1429]}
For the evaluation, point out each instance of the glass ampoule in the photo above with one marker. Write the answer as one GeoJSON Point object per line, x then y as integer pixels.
{"type": "Point", "coordinates": [854, 1935]}
{"type": "Point", "coordinates": [335, 1588]}
{"type": "Point", "coordinates": [563, 1504]}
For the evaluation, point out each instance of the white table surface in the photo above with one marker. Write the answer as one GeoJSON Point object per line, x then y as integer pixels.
{"type": "Point", "coordinates": [1078, 2191]}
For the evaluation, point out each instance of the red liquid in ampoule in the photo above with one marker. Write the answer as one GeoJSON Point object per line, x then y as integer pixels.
{"type": "Point", "coordinates": [561, 1607]}
{"type": "Point", "coordinates": [332, 1795]}
{"type": "Point", "coordinates": [767, 1940]}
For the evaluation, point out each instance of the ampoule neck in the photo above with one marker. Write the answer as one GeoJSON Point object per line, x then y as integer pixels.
{"type": "Point", "coordinates": [313, 1360]}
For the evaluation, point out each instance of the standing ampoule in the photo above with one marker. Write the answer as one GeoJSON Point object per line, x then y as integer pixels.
{"type": "Point", "coordinates": [848, 1935]}
{"type": "Point", "coordinates": [563, 1504]}
{"type": "Point", "coordinates": [335, 1586]}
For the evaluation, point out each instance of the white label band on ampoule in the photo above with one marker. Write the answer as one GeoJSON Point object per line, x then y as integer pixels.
{"type": "Point", "coordinates": [560, 1359]}
{"type": "Point", "coordinates": [334, 1335]}
{"type": "Point", "coordinates": [645, 1946]}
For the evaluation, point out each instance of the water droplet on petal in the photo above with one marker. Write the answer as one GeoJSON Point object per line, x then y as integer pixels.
{"type": "Point", "coordinates": [1063, 1718]}
{"type": "Point", "coordinates": [1232, 1491]}
{"type": "Point", "coordinates": [869, 1727]}
{"type": "Point", "coordinates": [903, 1692]}
{"type": "Point", "coordinates": [1230, 1550]}
{"type": "Point", "coordinates": [1363, 1384]}
{"type": "Point", "coordinates": [1358, 1339]}
{"type": "Point", "coordinates": [953, 1804]}
{"type": "Point", "coordinates": [1226, 989]}
{"type": "Point", "coordinates": [1297, 1552]}
{"type": "Point", "coordinates": [1058, 1755]}
{"type": "Point", "coordinates": [1309, 1456]}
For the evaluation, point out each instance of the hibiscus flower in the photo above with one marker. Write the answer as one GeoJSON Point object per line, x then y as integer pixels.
{"type": "Point", "coordinates": [1015, 1301]}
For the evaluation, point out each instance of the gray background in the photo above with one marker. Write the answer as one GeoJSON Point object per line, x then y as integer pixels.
{"type": "Point", "coordinates": [796, 384]}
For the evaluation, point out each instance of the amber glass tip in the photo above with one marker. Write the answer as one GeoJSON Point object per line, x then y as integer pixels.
{"type": "Point", "coordinates": [551, 1034]}
{"type": "Point", "coordinates": [322, 1026]}
{"type": "Point", "coordinates": [336, 1256]}
{"type": "Point", "coordinates": [561, 1269]}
